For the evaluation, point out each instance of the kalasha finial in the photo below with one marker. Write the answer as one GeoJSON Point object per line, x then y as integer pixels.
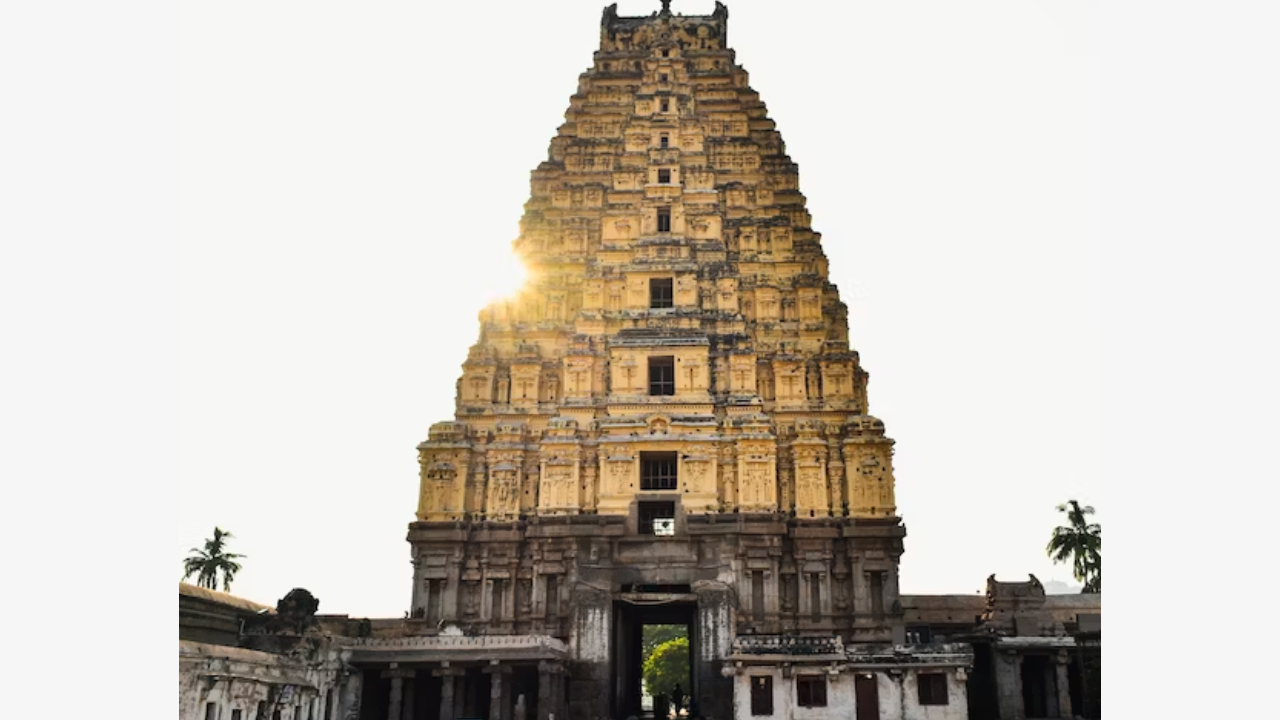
{"type": "Point", "coordinates": [666, 7]}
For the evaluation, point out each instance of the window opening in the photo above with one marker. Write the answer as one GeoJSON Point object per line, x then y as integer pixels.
{"type": "Point", "coordinates": [658, 471]}
{"type": "Point", "coordinates": [815, 598]}
{"type": "Point", "coordinates": [661, 293]}
{"type": "Point", "coordinates": [664, 176]}
{"type": "Point", "coordinates": [664, 220]}
{"type": "Point", "coordinates": [877, 595]}
{"type": "Point", "coordinates": [811, 691]}
{"type": "Point", "coordinates": [933, 688]}
{"type": "Point", "coordinates": [657, 518]}
{"type": "Point", "coordinates": [662, 375]}
{"type": "Point", "coordinates": [499, 586]}
{"type": "Point", "coordinates": [757, 595]}
{"type": "Point", "coordinates": [553, 596]}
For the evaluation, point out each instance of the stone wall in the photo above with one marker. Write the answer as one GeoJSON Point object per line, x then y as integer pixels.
{"type": "Point", "coordinates": [222, 683]}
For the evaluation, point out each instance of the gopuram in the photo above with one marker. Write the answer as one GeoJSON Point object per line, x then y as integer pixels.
{"type": "Point", "coordinates": [666, 425]}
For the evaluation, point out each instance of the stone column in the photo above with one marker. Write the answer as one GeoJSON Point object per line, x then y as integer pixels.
{"type": "Point", "coordinates": [397, 676]}
{"type": "Point", "coordinates": [407, 709]}
{"type": "Point", "coordinates": [1064, 686]}
{"type": "Point", "coordinates": [499, 690]}
{"type": "Point", "coordinates": [550, 691]}
{"type": "Point", "coordinates": [1009, 684]}
{"type": "Point", "coordinates": [448, 684]}
{"type": "Point", "coordinates": [349, 701]}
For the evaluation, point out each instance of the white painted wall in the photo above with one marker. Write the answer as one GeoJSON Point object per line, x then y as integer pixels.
{"type": "Point", "coordinates": [899, 697]}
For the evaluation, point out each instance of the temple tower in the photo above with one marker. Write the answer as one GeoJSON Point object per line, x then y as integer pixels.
{"type": "Point", "coordinates": [668, 418]}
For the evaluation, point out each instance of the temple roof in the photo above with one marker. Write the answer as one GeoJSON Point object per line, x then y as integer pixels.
{"type": "Point", "coordinates": [239, 603]}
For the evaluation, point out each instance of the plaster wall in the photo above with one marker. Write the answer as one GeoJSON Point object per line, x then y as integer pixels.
{"type": "Point", "coordinates": [899, 698]}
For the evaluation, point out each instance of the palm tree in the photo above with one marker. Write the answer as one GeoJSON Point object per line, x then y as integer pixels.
{"type": "Point", "coordinates": [207, 563]}
{"type": "Point", "coordinates": [1080, 544]}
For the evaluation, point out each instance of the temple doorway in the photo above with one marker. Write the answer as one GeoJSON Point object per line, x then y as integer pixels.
{"type": "Point", "coordinates": [660, 625]}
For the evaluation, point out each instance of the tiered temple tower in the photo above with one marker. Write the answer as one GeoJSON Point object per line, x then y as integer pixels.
{"type": "Point", "coordinates": [669, 414]}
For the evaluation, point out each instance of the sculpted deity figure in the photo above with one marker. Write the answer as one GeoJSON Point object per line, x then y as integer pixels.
{"type": "Point", "coordinates": [697, 472]}
{"type": "Point", "coordinates": [618, 472]}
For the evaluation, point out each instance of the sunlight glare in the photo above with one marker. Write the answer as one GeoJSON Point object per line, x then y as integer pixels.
{"type": "Point", "coordinates": [506, 278]}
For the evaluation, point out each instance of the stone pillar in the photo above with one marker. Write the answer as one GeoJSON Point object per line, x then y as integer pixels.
{"type": "Point", "coordinates": [550, 691]}
{"type": "Point", "coordinates": [395, 705]}
{"type": "Point", "coordinates": [712, 693]}
{"type": "Point", "coordinates": [499, 691]}
{"type": "Point", "coordinates": [1064, 687]}
{"type": "Point", "coordinates": [1009, 684]}
{"type": "Point", "coordinates": [349, 702]}
{"type": "Point", "coordinates": [448, 685]}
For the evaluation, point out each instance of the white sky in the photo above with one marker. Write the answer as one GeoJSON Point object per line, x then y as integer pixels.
{"type": "Point", "coordinates": [352, 176]}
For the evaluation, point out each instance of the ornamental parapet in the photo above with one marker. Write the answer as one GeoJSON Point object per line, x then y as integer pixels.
{"type": "Point", "coordinates": [457, 648]}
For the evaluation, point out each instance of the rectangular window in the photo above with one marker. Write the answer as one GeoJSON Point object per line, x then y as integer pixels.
{"type": "Point", "coordinates": [657, 471]}
{"type": "Point", "coordinates": [919, 634]}
{"type": "Point", "coordinates": [666, 106]}
{"type": "Point", "coordinates": [297, 712]}
{"type": "Point", "coordinates": [553, 596]}
{"type": "Point", "coordinates": [877, 595]}
{"type": "Point", "coordinates": [434, 590]}
{"type": "Point", "coordinates": [210, 711]}
{"type": "Point", "coordinates": [757, 595]}
{"type": "Point", "coordinates": [933, 688]}
{"type": "Point", "coordinates": [815, 598]}
{"type": "Point", "coordinates": [664, 176]}
{"type": "Point", "coordinates": [662, 77]}
{"type": "Point", "coordinates": [235, 714]}
{"type": "Point", "coordinates": [664, 140]}
{"type": "Point", "coordinates": [761, 695]}
{"type": "Point", "coordinates": [811, 691]}
{"type": "Point", "coordinates": [661, 293]}
{"type": "Point", "coordinates": [495, 612]}
{"type": "Point", "coordinates": [262, 710]}
{"type": "Point", "coordinates": [664, 220]}
{"type": "Point", "coordinates": [662, 381]}
{"type": "Point", "coordinates": [657, 518]}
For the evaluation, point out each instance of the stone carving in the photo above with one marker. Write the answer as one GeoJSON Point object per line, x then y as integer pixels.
{"type": "Point", "coordinates": [504, 493]}
{"type": "Point", "coordinates": [757, 334]}
{"type": "Point", "coordinates": [296, 611]}
{"type": "Point", "coordinates": [810, 489]}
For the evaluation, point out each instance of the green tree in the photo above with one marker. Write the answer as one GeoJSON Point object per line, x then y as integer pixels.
{"type": "Point", "coordinates": [1080, 544]}
{"type": "Point", "coordinates": [667, 667]}
{"type": "Point", "coordinates": [207, 563]}
{"type": "Point", "coordinates": [654, 635]}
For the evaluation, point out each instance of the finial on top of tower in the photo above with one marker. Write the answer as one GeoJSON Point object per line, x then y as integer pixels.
{"type": "Point", "coordinates": [666, 7]}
